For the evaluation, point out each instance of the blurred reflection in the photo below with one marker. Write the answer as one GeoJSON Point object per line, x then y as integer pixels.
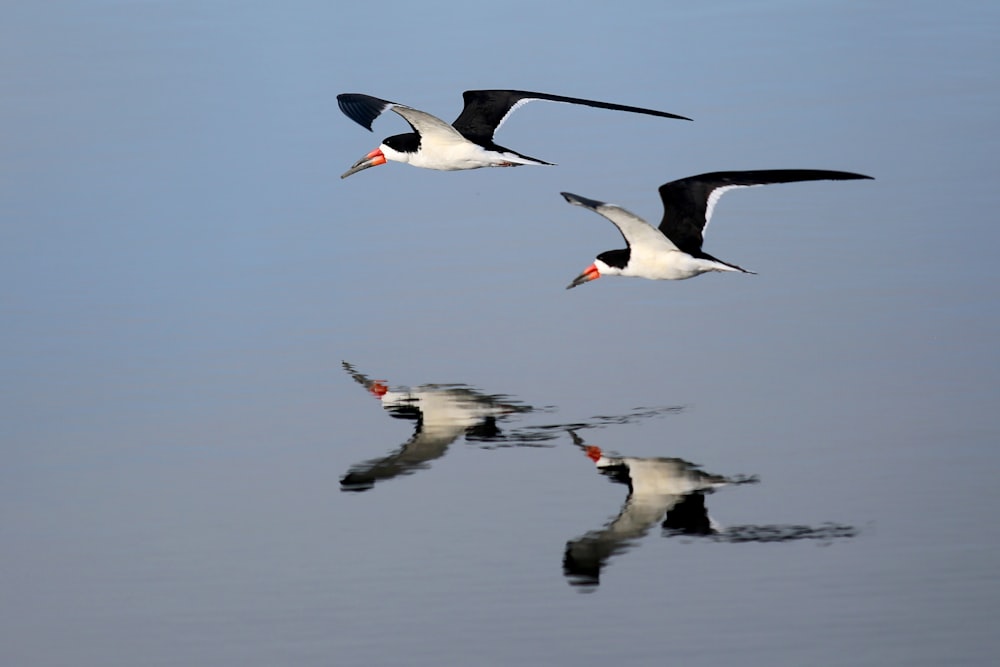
{"type": "Point", "coordinates": [657, 486]}
{"type": "Point", "coordinates": [599, 421]}
{"type": "Point", "coordinates": [442, 413]}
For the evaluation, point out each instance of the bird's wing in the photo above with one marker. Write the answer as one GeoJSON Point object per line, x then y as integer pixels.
{"type": "Point", "coordinates": [486, 110]}
{"type": "Point", "coordinates": [641, 237]}
{"type": "Point", "coordinates": [362, 109]}
{"type": "Point", "coordinates": [428, 126]}
{"type": "Point", "coordinates": [360, 378]}
{"type": "Point", "coordinates": [415, 454]}
{"type": "Point", "coordinates": [688, 202]}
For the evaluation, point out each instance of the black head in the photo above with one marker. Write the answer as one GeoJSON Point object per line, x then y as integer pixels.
{"type": "Point", "coordinates": [404, 143]}
{"type": "Point", "coordinates": [617, 259]}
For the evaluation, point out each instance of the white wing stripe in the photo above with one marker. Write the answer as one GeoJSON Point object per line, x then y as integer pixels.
{"type": "Point", "coordinates": [713, 199]}
{"type": "Point", "coordinates": [520, 103]}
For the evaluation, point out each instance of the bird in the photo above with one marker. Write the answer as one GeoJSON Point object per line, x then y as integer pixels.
{"type": "Point", "coordinates": [465, 144]}
{"type": "Point", "coordinates": [647, 477]}
{"type": "Point", "coordinates": [442, 413]}
{"type": "Point", "coordinates": [658, 488]}
{"type": "Point", "coordinates": [673, 252]}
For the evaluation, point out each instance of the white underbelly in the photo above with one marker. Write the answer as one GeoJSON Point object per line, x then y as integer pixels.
{"type": "Point", "coordinates": [674, 265]}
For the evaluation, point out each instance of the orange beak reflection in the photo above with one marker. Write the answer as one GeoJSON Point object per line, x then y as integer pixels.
{"type": "Point", "coordinates": [590, 273]}
{"type": "Point", "coordinates": [373, 159]}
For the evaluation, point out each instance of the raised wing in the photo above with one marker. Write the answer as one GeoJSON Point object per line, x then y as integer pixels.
{"type": "Point", "coordinates": [688, 202]}
{"type": "Point", "coordinates": [486, 110]}
{"type": "Point", "coordinates": [415, 454]}
{"type": "Point", "coordinates": [428, 126]}
{"type": "Point", "coordinates": [641, 237]}
{"type": "Point", "coordinates": [362, 109]}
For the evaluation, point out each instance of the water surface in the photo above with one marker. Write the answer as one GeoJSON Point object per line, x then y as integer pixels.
{"type": "Point", "coordinates": [185, 276]}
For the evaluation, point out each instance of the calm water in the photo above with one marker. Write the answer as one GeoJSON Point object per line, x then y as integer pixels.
{"type": "Point", "coordinates": [256, 415]}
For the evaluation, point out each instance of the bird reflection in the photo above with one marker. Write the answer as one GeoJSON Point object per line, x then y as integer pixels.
{"type": "Point", "coordinates": [442, 412]}
{"type": "Point", "coordinates": [657, 486]}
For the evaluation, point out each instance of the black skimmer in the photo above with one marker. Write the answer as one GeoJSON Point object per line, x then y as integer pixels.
{"type": "Point", "coordinates": [657, 487]}
{"type": "Point", "coordinates": [678, 489]}
{"type": "Point", "coordinates": [465, 144]}
{"type": "Point", "coordinates": [673, 252]}
{"type": "Point", "coordinates": [442, 413]}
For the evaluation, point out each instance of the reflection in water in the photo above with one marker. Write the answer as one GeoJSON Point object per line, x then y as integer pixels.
{"type": "Point", "coordinates": [676, 488]}
{"type": "Point", "coordinates": [657, 486]}
{"type": "Point", "coordinates": [824, 532]}
{"type": "Point", "coordinates": [442, 413]}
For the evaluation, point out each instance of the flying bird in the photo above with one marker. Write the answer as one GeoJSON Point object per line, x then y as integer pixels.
{"type": "Point", "coordinates": [673, 252]}
{"type": "Point", "coordinates": [465, 144]}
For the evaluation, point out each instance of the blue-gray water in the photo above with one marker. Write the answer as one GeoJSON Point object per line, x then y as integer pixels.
{"type": "Point", "coordinates": [184, 273]}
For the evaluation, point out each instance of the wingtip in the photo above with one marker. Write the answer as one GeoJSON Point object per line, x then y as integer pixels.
{"type": "Point", "coordinates": [577, 200]}
{"type": "Point", "coordinates": [362, 109]}
{"type": "Point", "coordinates": [574, 199]}
{"type": "Point", "coordinates": [851, 176]}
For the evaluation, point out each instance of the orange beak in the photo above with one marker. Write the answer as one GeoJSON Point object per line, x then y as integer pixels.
{"type": "Point", "coordinates": [590, 273]}
{"type": "Point", "coordinates": [373, 159]}
{"type": "Point", "coordinates": [378, 389]}
{"type": "Point", "coordinates": [594, 453]}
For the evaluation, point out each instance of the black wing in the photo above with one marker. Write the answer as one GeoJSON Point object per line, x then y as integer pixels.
{"type": "Point", "coordinates": [362, 109]}
{"type": "Point", "coordinates": [486, 110]}
{"type": "Point", "coordinates": [688, 202]}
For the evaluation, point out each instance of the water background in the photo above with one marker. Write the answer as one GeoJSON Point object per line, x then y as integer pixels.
{"type": "Point", "coordinates": [184, 273]}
